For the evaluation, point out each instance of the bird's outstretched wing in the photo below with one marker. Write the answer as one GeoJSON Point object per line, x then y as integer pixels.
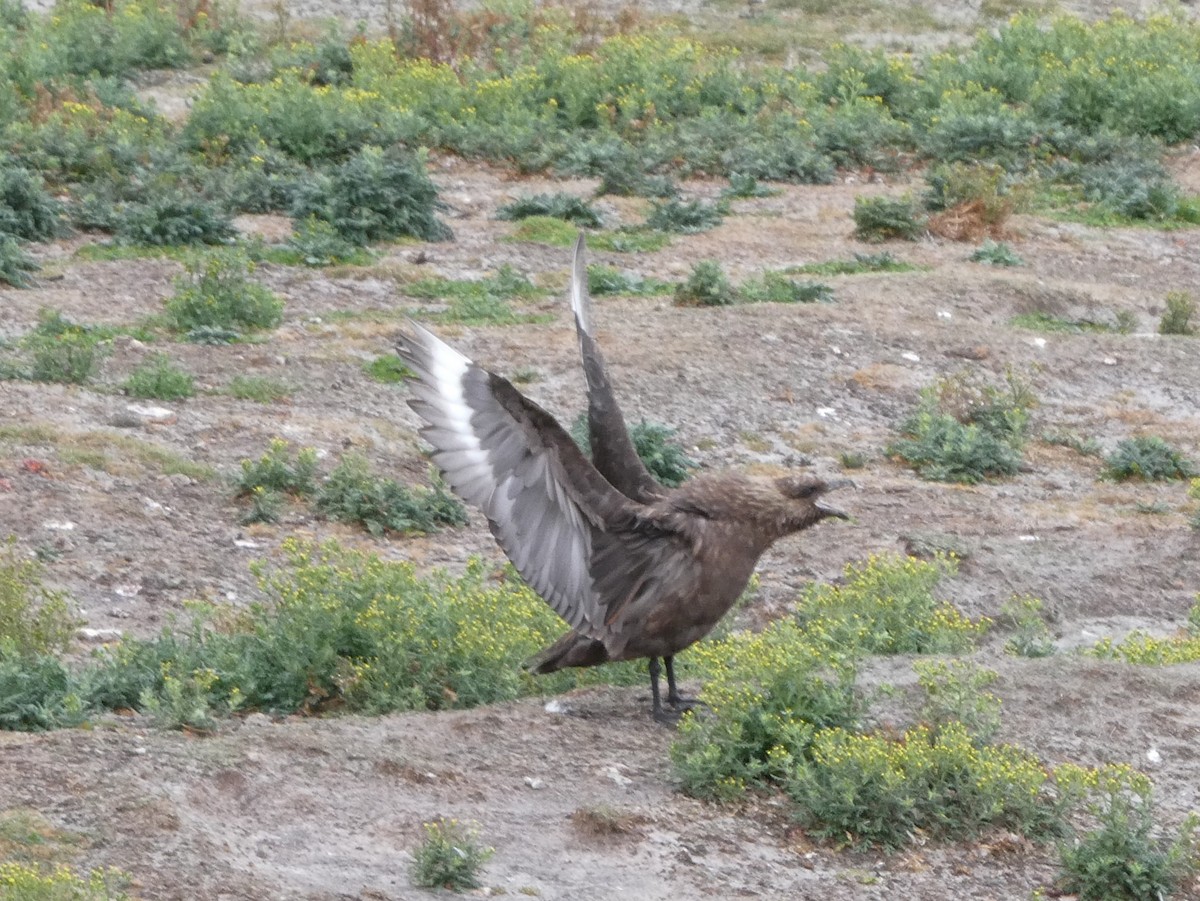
{"type": "Point", "coordinates": [546, 504]}
{"type": "Point", "coordinates": [613, 452]}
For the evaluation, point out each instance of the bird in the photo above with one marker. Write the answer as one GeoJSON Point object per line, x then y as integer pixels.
{"type": "Point", "coordinates": [637, 570]}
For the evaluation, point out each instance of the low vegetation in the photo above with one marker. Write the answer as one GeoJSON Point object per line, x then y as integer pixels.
{"type": "Point", "coordinates": [666, 460]}
{"type": "Point", "coordinates": [217, 292]}
{"type": "Point", "coordinates": [1149, 458]}
{"type": "Point", "coordinates": [449, 858]}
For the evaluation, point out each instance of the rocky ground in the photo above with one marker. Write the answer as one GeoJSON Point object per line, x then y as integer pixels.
{"type": "Point", "coordinates": [331, 808]}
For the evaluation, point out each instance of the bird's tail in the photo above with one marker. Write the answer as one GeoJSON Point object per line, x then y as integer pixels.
{"type": "Point", "coordinates": [572, 649]}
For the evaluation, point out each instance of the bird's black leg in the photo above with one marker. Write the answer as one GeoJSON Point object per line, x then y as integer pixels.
{"type": "Point", "coordinates": [674, 698]}
{"type": "Point", "coordinates": [658, 713]}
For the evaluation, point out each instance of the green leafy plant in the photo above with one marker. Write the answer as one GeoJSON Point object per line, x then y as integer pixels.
{"type": "Point", "coordinates": [609, 280]}
{"type": "Point", "coordinates": [353, 494]}
{"type": "Point", "coordinates": [686, 217]}
{"type": "Point", "coordinates": [707, 286]}
{"type": "Point", "coordinates": [63, 351]}
{"type": "Point", "coordinates": [449, 858]}
{"type": "Point", "coordinates": [963, 432]}
{"type": "Point", "coordinates": [23, 882]}
{"type": "Point", "coordinates": [278, 469]}
{"type": "Point", "coordinates": [956, 694]}
{"type": "Point", "coordinates": [317, 243]}
{"type": "Point", "coordinates": [1122, 859]}
{"type": "Point", "coordinates": [1177, 318]}
{"type": "Point", "coordinates": [27, 210]}
{"type": "Point", "coordinates": [216, 291]}
{"type": "Point", "coordinates": [858, 265]}
{"type": "Point", "coordinates": [1149, 458]}
{"type": "Point", "coordinates": [996, 253]}
{"type": "Point", "coordinates": [887, 218]}
{"type": "Point", "coordinates": [374, 195]}
{"type": "Point", "coordinates": [172, 218]}
{"type": "Point", "coordinates": [15, 263]}
{"type": "Point", "coordinates": [160, 379]}
{"type": "Point", "coordinates": [1031, 637]}
{"type": "Point", "coordinates": [33, 619]}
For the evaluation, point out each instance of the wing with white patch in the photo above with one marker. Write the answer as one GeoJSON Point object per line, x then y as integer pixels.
{"type": "Point", "coordinates": [507, 456]}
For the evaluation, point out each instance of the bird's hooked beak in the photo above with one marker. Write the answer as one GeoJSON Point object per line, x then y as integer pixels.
{"type": "Point", "coordinates": [829, 510]}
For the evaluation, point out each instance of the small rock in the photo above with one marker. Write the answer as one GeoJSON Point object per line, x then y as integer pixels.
{"type": "Point", "coordinates": [535, 784]}
{"type": "Point", "coordinates": [247, 544]}
{"type": "Point", "coordinates": [144, 414]}
{"type": "Point", "coordinates": [1039, 343]}
{"type": "Point", "coordinates": [615, 775]}
{"type": "Point", "coordinates": [827, 412]}
{"type": "Point", "coordinates": [1154, 756]}
{"type": "Point", "coordinates": [911, 357]}
{"type": "Point", "coordinates": [944, 314]}
{"type": "Point", "coordinates": [59, 526]}
{"type": "Point", "coordinates": [554, 705]}
{"type": "Point", "coordinates": [1028, 538]}
{"type": "Point", "coordinates": [101, 636]}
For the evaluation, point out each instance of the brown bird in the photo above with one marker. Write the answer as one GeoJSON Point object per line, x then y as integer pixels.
{"type": "Point", "coordinates": [636, 569]}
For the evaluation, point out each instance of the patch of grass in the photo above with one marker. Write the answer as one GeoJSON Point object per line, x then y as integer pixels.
{"type": "Point", "coordinates": [1149, 458]}
{"type": "Point", "coordinates": [666, 460]}
{"type": "Point", "coordinates": [160, 379]}
{"type": "Point", "coordinates": [878, 219]}
{"type": "Point", "coordinates": [63, 351]}
{"type": "Point", "coordinates": [352, 493]}
{"type": "Point", "coordinates": [389, 369]}
{"type": "Point", "coordinates": [216, 291]}
{"type": "Point", "coordinates": [278, 469]}
{"type": "Point", "coordinates": [859, 265]}
{"type": "Point", "coordinates": [1085, 447]}
{"type": "Point", "coordinates": [1026, 618]}
{"type": "Point", "coordinates": [449, 858]}
{"type": "Point", "coordinates": [566, 207]}
{"type": "Point", "coordinates": [545, 230]}
{"type": "Point", "coordinates": [317, 243]}
{"type": "Point", "coordinates": [776, 287]}
{"type": "Point", "coordinates": [609, 280]}
{"type": "Point", "coordinates": [996, 253]}
{"type": "Point", "coordinates": [707, 286]}
{"type": "Point", "coordinates": [1039, 321]}
{"type": "Point", "coordinates": [1177, 318]}
{"type": "Point", "coordinates": [630, 240]}
{"type": "Point", "coordinates": [259, 389]}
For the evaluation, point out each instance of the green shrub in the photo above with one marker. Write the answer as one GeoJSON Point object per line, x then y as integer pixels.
{"type": "Point", "coordinates": [996, 253]}
{"type": "Point", "coordinates": [15, 263]}
{"type": "Point", "coordinates": [353, 494]}
{"type": "Point", "coordinates": [173, 219]}
{"type": "Point", "coordinates": [1031, 637]}
{"type": "Point", "coordinates": [877, 790]}
{"type": "Point", "coordinates": [216, 292]}
{"type": "Point", "coordinates": [449, 858]}
{"type": "Point", "coordinates": [1122, 859]}
{"type": "Point", "coordinates": [33, 619]}
{"type": "Point", "coordinates": [36, 692]}
{"type": "Point", "coordinates": [767, 694]}
{"type": "Point", "coordinates": [742, 185]}
{"type": "Point", "coordinates": [955, 694]}
{"type": "Point", "coordinates": [666, 460]}
{"type": "Point", "coordinates": [373, 196]}
{"type": "Point", "coordinates": [860, 264]}
{"type": "Point", "coordinates": [160, 379]}
{"type": "Point", "coordinates": [317, 243]}
{"type": "Point", "coordinates": [886, 605]}
{"type": "Point", "coordinates": [266, 505]}
{"type": "Point", "coordinates": [686, 217]}
{"type": "Point", "coordinates": [707, 286]}
{"type": "Point", "coordinates": [27, 210]}
{"type": "Point", "coordinates": [279, 470]}
{"type": "Point", "coordinates": [558, 206]}
{"type": "Point", "coordinates": [965, 432]}
{"type": "Point", "coordinates": [1149, 458]}
{"type": "Point", "coordinates": [62, 351]}
{"type": "Point", "coordinates": [1177, 318]}
{"type": "Point", "coordinates": [886, 218]}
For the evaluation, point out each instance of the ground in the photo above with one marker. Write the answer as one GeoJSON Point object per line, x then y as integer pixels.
{"type": "Point", "coordinates": [331, 808]}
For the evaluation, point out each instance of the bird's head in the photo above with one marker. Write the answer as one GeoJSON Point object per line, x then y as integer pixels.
{"type": "Point", "coordinates": [806, 499]}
